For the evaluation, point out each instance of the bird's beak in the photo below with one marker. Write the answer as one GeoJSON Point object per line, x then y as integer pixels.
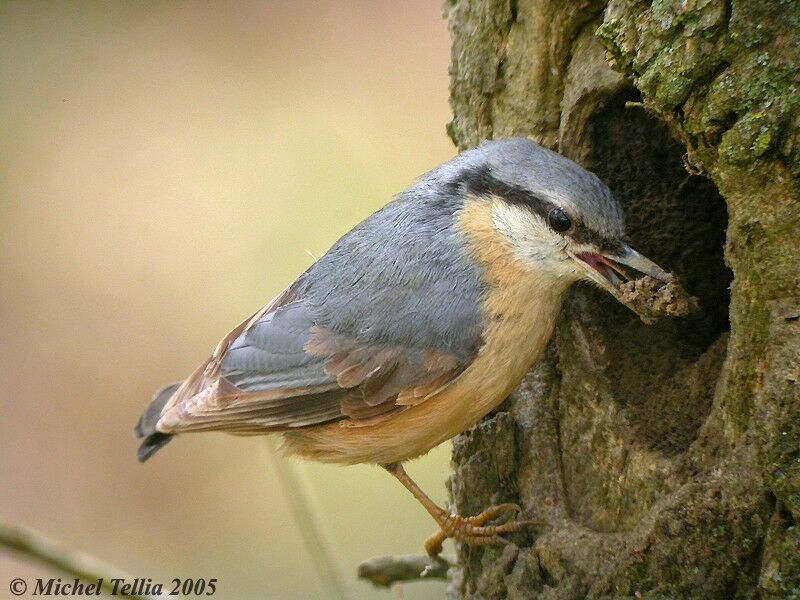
{"type": "Point", "coordinates": [610, 269]}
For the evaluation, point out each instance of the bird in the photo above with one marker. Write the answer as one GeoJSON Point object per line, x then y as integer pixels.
{"type": "Point", "coordinates": [416, 324]}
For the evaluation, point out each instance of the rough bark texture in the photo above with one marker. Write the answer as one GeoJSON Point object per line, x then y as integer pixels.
{"type": "Point", "coordinates": [664, 459]}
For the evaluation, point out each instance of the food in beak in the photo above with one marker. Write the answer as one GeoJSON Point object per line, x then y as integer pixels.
{"type": "Point", "coordinates": [650, 298]}
{"type": "Point", "coordinates": [651, 292]}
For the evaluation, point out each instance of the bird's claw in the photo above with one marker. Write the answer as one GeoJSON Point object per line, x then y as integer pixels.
{"type": "Point", "coordinates": [473, 531]}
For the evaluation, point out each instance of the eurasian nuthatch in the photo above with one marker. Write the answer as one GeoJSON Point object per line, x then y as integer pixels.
{"type": "Point", "coordinates": [415, 324]}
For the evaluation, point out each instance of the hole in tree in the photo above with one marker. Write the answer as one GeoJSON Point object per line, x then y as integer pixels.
{"type": "Point", "coordinates": [663, 374]}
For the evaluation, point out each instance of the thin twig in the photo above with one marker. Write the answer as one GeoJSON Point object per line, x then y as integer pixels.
{"type": "Point", "coordinates": [35, 546]}
{"type": "Point", "coordinates": [383, 571]}
{"type": "Point", "coordinates": [308, 523]}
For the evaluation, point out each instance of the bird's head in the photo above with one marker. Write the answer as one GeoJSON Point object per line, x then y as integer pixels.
{"type": "Point", "coordinates": [559, 219]}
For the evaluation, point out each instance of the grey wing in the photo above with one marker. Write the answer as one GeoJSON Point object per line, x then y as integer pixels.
{"type": "Point", "coordinates": [270, 354]}
{"type": "Point", "coordinates": [260, 378]}
{"type": "Point", "coordinates": [388, 316]}
{"type": "Point", "coordinates": [320, 375]}
{"type": "Point", "coordinates": [282, 371]}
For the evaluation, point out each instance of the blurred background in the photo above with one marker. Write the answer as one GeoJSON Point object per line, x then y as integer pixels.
{"type": "Point", "coordinates": [167, 168]}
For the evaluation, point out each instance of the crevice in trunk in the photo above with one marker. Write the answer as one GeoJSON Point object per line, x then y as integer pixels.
{"type": "Point", "coordinates": [664, 375]}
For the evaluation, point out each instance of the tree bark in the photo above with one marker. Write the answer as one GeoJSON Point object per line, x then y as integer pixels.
{"type": "Point", "coordinates": [664, 459]}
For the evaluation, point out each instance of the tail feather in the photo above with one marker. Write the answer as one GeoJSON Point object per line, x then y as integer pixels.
{"type": "Point", "coordinates": [146, 427]}
{"type": "Point", "coordinates": [152, 444]}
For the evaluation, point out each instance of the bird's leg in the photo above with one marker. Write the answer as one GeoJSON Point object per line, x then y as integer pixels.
{"type": "Point", "coordinates": [470, 530]}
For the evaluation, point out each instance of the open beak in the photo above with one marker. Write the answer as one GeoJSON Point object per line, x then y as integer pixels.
{"type": "Point", "coordinates": [610, 269]}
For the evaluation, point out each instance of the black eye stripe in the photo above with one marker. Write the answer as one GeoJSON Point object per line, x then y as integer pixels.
{"type": "Point", "coordinates": [583, 235]}
{"type": "Point", "coordinates": [481, 182]}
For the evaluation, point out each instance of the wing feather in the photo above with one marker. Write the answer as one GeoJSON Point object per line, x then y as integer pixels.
{"type": "Point", "coordinates": [380, 323]}
{"type": "Point", "coordinates": [315, 376]}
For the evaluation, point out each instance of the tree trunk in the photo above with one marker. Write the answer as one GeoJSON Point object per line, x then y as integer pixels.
{"type": "Point", "coordinates": [664, 459]}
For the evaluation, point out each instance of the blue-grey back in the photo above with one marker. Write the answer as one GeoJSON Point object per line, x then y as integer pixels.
{"type": "Point", "coordinates": [402, 276]}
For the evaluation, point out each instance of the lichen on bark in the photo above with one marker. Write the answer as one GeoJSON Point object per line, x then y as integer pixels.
{"type": "Point", "coordinates": [664, 460]}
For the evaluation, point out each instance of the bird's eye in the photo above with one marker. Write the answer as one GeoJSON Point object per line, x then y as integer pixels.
{"type": "Point", "coordinates": [558, 220]}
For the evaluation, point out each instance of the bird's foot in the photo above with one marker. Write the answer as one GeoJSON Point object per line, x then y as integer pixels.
{"type": "Point", "coordinates": [473, 530]}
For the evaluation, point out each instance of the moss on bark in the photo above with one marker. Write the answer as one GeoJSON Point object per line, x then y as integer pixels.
{"type": "Point", "coordinates": [665, 460]}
